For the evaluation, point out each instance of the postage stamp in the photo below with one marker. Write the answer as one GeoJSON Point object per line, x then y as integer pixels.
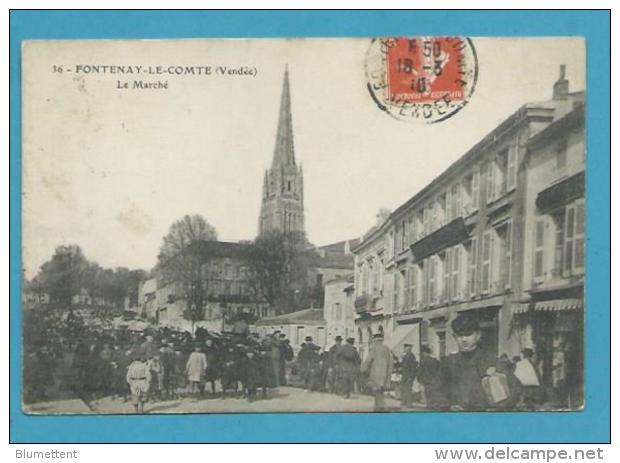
{"type": "Point", "coordinates": [421, 79]}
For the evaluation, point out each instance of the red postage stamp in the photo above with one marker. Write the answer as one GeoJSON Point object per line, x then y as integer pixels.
{"type": "Point", "coordinates": [421, 78]}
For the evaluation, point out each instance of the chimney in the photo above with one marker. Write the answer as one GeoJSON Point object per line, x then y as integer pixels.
{"type": "Point", "coordinates": [560, 88]}
{"type": "Point", "coordinates": [382, 216]}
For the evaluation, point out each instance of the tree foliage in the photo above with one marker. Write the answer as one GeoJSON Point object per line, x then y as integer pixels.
{"type": "Point", "coordinates": [68, 273]}
{"type": "Point", "coordinates": [280, 271]}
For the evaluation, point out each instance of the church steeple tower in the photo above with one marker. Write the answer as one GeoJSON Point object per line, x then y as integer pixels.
{"type": "Point", "coordinates": [282, 206]}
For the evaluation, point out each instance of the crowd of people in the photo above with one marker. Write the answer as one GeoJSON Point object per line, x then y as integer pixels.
{"type": "Point", "coordinates": [163, 364]}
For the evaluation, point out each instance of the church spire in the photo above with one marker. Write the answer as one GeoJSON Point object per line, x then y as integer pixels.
{"type": "Point", "coordinates": [282, 206]}
{"type": "Point", "coordinates": [284, 150]}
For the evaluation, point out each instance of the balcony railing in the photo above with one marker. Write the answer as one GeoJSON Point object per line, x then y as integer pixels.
{"type": "Point", "coordinates": [361, 303]}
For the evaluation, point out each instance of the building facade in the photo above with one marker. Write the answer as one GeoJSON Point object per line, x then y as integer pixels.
{"type": "Point", "coordinates": [550, 319]}
{"type": "Point", "coordinates": [296, 326]}
{"type": "Point", "coordinates": [338, 310]}
{"type": "Point", "coordinates": [228, 289]}
{"type": "Point", "coordinates": [460, 243]}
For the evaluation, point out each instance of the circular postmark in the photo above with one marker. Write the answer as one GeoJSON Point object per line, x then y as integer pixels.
{"type": "Point", "coordinates": [421, 79]}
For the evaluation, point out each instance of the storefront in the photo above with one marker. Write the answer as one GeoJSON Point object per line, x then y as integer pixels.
{"type": "Point", "coordinates": [555, 321]}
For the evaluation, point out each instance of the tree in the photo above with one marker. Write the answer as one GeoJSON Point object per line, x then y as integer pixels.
{"type": "Point", "coordinates": [279, 270]}
{"type": "Point", "coordinates": [63, 275]}
{"type": "Point", "coordinates": [68, 273]}
{"type": "Point", "coordinates": [183, 262]}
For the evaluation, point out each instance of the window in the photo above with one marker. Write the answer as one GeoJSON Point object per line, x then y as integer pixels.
{"type": "Point", "coordinates": [411, 235]}
{"type": "Point", "coordinates": [337, 311]}
{"type": "Point", "coordinates": [403, 235]}
{"type": "Point", "coordinates": [487, 255]}
{"type": "Point", "coordinates": [559, 219]}
{"type": "Point", "coordinates": [364, 287]}
{"type": "Point", "coordinates": [397, 240]}
{"type": "Point", "coordinates": [375, 278]}
{"type": "Point", "coordinates": [499, 175]}
{"type": "Point", "coordinates": [504, 267]}
{"type": "Point", "coordinates": [439, 217]}
{"type": "Point", "coordinates": [473, 264]}
{"type": "Point", "coordinates": [395, 295]}
{"type": "Point", "coordinates": [539, 248]}
{"type": "Point", "coordinates": [456, 201]}
{"type": "Point", "coordinates": [432, 280]}
{"type": "Point", "coordinates": [420, 223]}
{"type": "Point", "coordinates": [299, 335]}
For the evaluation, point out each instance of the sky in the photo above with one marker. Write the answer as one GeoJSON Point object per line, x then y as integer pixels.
{"type": "Point", "coordinates": [110, 169]}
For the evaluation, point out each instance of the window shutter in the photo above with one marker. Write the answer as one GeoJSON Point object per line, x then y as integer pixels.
{"type": "Point", "coordinates": [579, 260]}
{"type": "Point", "coordinates": [539, 250]}
{"type": "Point", "coordinates": [513, 156]}
{"type": "Point", "coordinates": [456, 200]}
{"type": "Point", "coordinates": [569, 238]}
{"type": "Point", "coordinates": [414, 284]}
{"type": "Point", "coordinates": [473, 263]}
{"type": "Point", "coordinates": [508, 271]}
{"type": "Point", "coordinates": [475, 188]}
{"type": "Point", "coordinates": [445, 290]}
{"type": "Point", "coordinates": [456, 264]}
{"type": "Point", "coordinates": [486, 262]}
{"type": "Point", "coordinates": [490, 182]}
{"type": "Point", "coordinates": [432, 289]}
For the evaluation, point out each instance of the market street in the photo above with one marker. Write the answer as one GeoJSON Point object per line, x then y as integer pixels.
{"type": "Point", "coordinates": [282, 399]}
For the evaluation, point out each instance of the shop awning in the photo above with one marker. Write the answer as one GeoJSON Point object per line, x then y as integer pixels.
{"type": "Point", "coordinates": [450, 234]}
{"type": "Point", "coordinates": [400, 336]}
{"type": "Point", "coordinates": [561, 193]}
{"type": "Point", "coordinates": [556, 305]}
{"type": "Point", "coordinates": [520, 308]}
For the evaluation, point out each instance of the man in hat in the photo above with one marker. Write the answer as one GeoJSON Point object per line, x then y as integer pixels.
{"type": "Point", "coordinates": [275, 357]}
{"type": "Point", "coordinates": [526, 372]}
{"type": "Point", "coordinates": [195, 370]}
{"type": "Point", "coordinates": [139, 379]}
{"type": "Point", "coordinates": [408, 371]}
{"type": "Point", "coordinates": [333, 373]}
{"type": "Point", "coordinates": [470, 368]}
{"type": "Point", "coordinates": [378, 365]}
{"type": "Point", "coordinates": [250, 373]}
{"type": "Point", "coordinates": [430, 377]}
{"type": "Point", "coordinates": [286, 355]}
{"type": "Point", "coordinates": [348, 366]}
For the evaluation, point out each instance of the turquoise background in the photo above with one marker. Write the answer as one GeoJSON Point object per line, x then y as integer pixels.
{"type": "Point", "coordinates": [590, 425]}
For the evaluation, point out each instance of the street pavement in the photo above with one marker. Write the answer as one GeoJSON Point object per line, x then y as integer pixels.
{"type": "Point", "coordinates": [282, 399]}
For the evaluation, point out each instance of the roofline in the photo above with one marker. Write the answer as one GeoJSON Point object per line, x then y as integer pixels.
{"type": "Point", "coordinates": [489, 139]}
{"type": "Point", "coordinates": [572, 119]}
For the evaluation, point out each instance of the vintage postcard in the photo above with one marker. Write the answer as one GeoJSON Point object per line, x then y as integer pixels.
{"type": "Point", "coordinates": [303, 225]}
